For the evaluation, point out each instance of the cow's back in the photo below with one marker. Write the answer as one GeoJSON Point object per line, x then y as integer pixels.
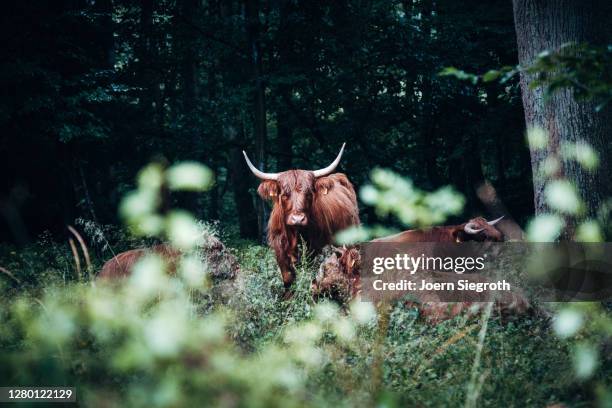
{"type": "Point", "coordinates": [336, 208]}
{"type": "Point", "coordinates": [121, 264]}
{"type": "Point", "coordinates": [434, 234]}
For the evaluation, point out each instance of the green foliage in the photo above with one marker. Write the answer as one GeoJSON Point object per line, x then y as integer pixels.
{"type": "Point", "coordinates": [583, 68]}
{"type": "Point", "coordinates": [161, 340]}
{"type": "Point", "coordinates": [391, 194]}
{"type": "Point", "coordinates": [95, 90]}
{"type": "Point", "coordinates": [587, 327]}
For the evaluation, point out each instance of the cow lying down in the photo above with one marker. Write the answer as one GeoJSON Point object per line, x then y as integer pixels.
{"type": "Point", "coordinates": [339, 276]}
{"type": "Point", "coordinates": [221, 264]}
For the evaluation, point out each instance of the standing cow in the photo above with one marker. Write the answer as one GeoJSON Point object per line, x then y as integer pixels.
{"type": "Point", "coordinates": [313, 205]}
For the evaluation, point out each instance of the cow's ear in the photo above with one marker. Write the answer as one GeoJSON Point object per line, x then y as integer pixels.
{"type": "Point", "coordinates": [268, 189]}
{"type": "Point", "coordinates": [323, 185]}
{"type": "Point", "coordinates": [354, 258]}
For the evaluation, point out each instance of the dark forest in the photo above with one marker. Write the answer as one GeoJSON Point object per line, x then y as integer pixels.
{"type": "Point", "coordinates": [96, 91]}
{"type": "Point", "coordinates": [172, 232]}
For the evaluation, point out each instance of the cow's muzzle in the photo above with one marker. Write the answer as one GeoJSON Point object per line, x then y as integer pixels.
{"type": "Point", "coordinates": [297, 219]}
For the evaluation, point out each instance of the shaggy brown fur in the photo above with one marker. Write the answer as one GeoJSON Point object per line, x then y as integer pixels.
{"type": "Point", "coordinates": [338, 277]}
{"type": "Point", "coordinates": [450, 233]}
{"type": "Point", "coordinates": [339, 274]}
{"type": "Point", "coordinates": [220, 262]}
{"type": "Point", "coordinates": [121, 265]}
{"type": "Point", "coordinates": [322, 207]}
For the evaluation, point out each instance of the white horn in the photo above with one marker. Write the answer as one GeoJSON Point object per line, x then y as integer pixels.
{"type": "Point", "coordinates": [327, 170]}
{"type": "Point", "coordinates": [495, 221]}
{"type": "Point", "coordinates": [258, 173]}
{"type": "Point", "coordinates": [469, 228]}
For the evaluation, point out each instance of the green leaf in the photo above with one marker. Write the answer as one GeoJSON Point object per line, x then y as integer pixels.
{"type": "Point", "coordinates": [537, 138]}
{"type": "Point", "coordinates": [567, 323]}
{"type": "Point", "coordinates": [189, 176]}
{"type": "Point", "coordinates": [150, 177]}
{"type": "Point", "coordinates": [544, 228]}
{"type": "Point", "coordinates": [550, 166]}
{"type": "Point", "coordinates": [183, 230]}
{"type": "Point", "coordinates": [585, 361]}
{"type": "Point", "coordinates": [352, 235]}
{"type": "Point", "coordinates": [491, 75]}
{"type": "Point", "coordinates": [138, 204]}
{"type": "Point", "coordinates": [586, 156]}
{"type": "Point", "coordinates": [193, 270]}
{"type": "Point", "coordinates": [459, 74]}
{"type": "Point", "coordinates": [561, 195]}
{"type": "Point", "coordinates": [589, 231]}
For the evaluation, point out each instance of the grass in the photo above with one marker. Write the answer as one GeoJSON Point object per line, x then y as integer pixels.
{"type": "Point", "coordinates": [271, 352]}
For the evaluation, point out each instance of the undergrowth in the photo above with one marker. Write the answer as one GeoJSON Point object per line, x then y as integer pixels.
{"type": "Point", "coordinates": [339, 356]}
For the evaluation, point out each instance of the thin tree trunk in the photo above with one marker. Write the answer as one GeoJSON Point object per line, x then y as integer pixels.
{"type": "Point", "coordinates": [105, 8]}
{"type": "Point", "coordinates": [147, 52]}
{"type": "Point", "coordinates": [427, 128]}
{"type": "Point", "coordinates": [189, 10]}
{"type": "Point", "coordinates": [285, 51]}
{"type": "Point", "coordinates": [285, 136]}
{"type": "Point", "coordinates": [87, 196]}
{"type": "Point", "coordinates": [214, 200]}
{"type": "Point", "coordinates": [474, 174]}
{"type": "Point", "coordinates": [546, 25]}
{"type": "Point", "coordinates": [259, 100]}
{"type": "Point", "coordinates": [240, 176]}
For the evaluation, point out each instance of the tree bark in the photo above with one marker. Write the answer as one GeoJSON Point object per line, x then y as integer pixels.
{"type": "Point", "coordinates": [241, 176]}
{"type": "Point", "coordinates": [106, 27]}
{"type": "Point", "coordinates": [285, 136]}
{"type": "Point", "coordinates": [545, 25]}
{"type": "Point", "coordinates": [259, 100]}
{"type": "Point", "coordinates": [145, 51]}
{"type": "Point", "coordinates": [285, 52]}
{"type": "Point", "coordinates": [428, 113]}
{"type": "Point", "coordinates": [189, 9]}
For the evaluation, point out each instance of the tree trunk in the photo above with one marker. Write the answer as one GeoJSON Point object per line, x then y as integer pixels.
{"type": "Point", "coordinates": [106, 27]}
{"type": "Point", "coordinates": [213, 213]}
{"type": "Point", "coordinates": [545, 25]}
{"type": "Point", "coordinates": [145, 52]}
{"type": "Point", "coordinates": [285, 136]}
{"type": "Point", "coordinates": [285, 52]}
{"type": "Point", "coordinates": [241, 176]}
{"type": "Point", "coordinates": [189, 10]}
{"type": "Point", "coordinates": [428, 109]}
{"type": "Point", "coordinates": [473, 173]}
{"type": "Point", "coordinates": [259, 101]}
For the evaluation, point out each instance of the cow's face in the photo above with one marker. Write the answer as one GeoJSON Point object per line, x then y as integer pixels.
{"type": "Point", "coordinates": [292, 190]}
{"type": "Point", "coordinates": [479, 229]}
{"type": "Point", "coordinates": [292, 193]}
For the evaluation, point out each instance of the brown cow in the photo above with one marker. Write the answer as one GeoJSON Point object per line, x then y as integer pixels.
{"type": "Point", "coordinates": [476, 229]}
{"type": "Point", "coordinates": [221, 263]}
{"type": "Point", "coordinates": [313, 205]}
{"type": "Point", "coordinates": [339, 279]}
{"type": "Point", "coordinates": [339, 276]}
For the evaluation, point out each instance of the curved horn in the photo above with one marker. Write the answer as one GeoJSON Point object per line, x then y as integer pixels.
{"type": "Point", "coordinates": [469, 228]}
{"type": "Point", "coordinates": [327, 170]}
{"type": "Point", "coordinates": [258, 173]}
{"type": "Point", "coordinates": [495, 221]}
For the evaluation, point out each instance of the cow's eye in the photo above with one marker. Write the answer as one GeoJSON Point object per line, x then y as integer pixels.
{"type": "Point", "coordinates": [285, 196]}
